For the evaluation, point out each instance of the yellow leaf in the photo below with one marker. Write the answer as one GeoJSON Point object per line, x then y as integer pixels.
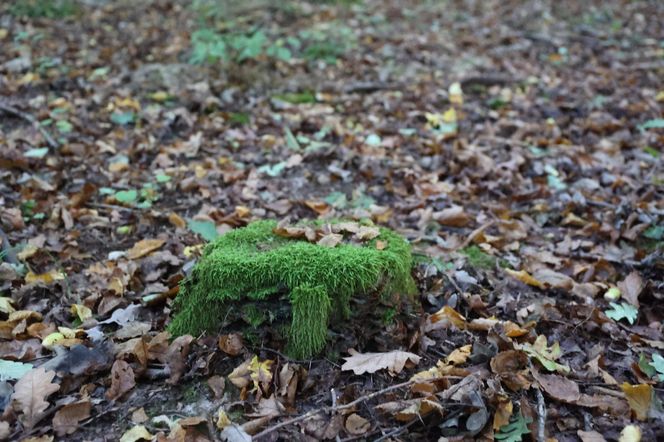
{"type": "Point", "coordinates": [144, 247]}
{"type": "Point", "coordinates": [189, 251]}
{"type": "Point", "coordinates": [525, 277]}
{"type": "Point", "coordinates": [660, 96]}
{"type": "Point", "coordinates": [222, 419]}
{"type": "Point", "coordinates": [639, 398]}
{"type": "Point", "coordinates": [159, 96]}
{"type": "Point", "coordinates": [447, 315]}
{"type": "Point", "coordinates": [20, 315]}
{"type": "Point", "coordinates": [177, 220]}
{"type": "Point", "coordinates": [82, 312]}
{"type": "Point", "coordinates": [456, 94]}
{"type": "Point", "coordinates": [631, 433]}
{"type": "Point", "coordinates": [139, 432]}
{"type": "Point", "coordinates": [260, 372]}
{"type": "Point", "coordinates": [27, 252]}
{"type": "Point", "coordinates": [450, 115]}
{"type": "Point", "coordinates": [44, 278]}
{"type": "Point", "coordinates": [460, 355]}
{"type": "Point", "coordinates": [503, 413]}
{"type": "Point", "coordinates": [128, 102]}
{"type": "Point", "coordinates": [6, 305]}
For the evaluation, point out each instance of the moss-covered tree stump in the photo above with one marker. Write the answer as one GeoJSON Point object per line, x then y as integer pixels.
{"type": "Point", "coordinates": [317, 271]}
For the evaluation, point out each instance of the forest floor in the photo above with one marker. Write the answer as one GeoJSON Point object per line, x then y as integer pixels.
{"type": "Point", "coordinates": [516, 145]}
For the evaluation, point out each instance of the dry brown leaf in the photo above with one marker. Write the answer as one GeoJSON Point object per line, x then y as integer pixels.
{"type": "Point", "coordinates": [356, 424]}
{"type": "Point", "coordinates": [330, 240]}
{"type": "Point", "coordinates": [231, 344]}
{"type": "Point", "coordinates": [177, 220]}
{"type": "Point", "coordinates": [553, 279]}
{"type": "Point", "coordinates": [139, 416]}
{"type": "Point", "coordinates": [217, 384]}
{"type": "Point", "coordinates": [525, 277]}
{"type": "Point", "coordinates": [503, 412]}
{"type": "Point", "coordinates": [590, 436]}
{"type": "Point", "coordinates": [144, 247]}
{"type": "Point", "coordinates": [66, 419]}
{"type": "Point", "coordinates": [631, 287]}
{"type": "Point", "coordinates": [122, 380]}
{"type": "Point", "coordinates": [454, 216]}
{"type": "Point", "coordinates": [558, 387]}
{"type": "Point", "coordinates": [394, 361]}
{"type": "Point", "coordinates": [366, 233]}
{"type": "Point", "coordinates": [30, 393]}
{"type": "Point", "coordinates": [639, 398]}
{"type": "Point", "coordinates": [176, 357]}
{"type": "Point", "coordinates": [444, 317]}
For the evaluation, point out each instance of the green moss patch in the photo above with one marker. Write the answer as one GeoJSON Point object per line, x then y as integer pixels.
{"type": "Point", "coordinates": [318, 272]}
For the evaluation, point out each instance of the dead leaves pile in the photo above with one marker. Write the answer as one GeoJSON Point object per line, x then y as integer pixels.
{"type": "Point", "coordinates": [330, 235]}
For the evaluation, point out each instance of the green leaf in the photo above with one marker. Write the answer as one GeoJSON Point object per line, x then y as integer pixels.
{"type": "Point", "coordinates": [373, 140]}
{"type": "Point", "coordinates": [658, 364]}
{"type": "Point", "coordinates": [206, 229]}
{"type": "Point", "coordinates": [514, 430]}
{"type": "Point", "coordinates": [546, 355]}
{"type": "Point", "coordinates": [123, 118]}
{"type": "Point", "coordinates": [291, 141]}
{"type": "Point", "coordinates": [646, 367]}
{"type": "Point", "coordinates": [10, 370]}
{"type": "Point", "coordinates": [162, 178]}
{"type": "Point", "coordinates": [126, 196]}
{"type": "Point", "coordinates": [654, 232]}
{"type": "Point", "coordinates": [64, 126]}
{"type": "Point", "coordinates": [657, 123]}
{"type": "Point", "coordinates": [273, 169]}
{"type": "Point", "coordinates": [652, 151]}
{"type": "Point", "coordinates": [36, 153]}
{"type": "Point", "coordinates": [623, 310]}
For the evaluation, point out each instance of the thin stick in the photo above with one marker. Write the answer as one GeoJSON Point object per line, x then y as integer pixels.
{"type": "Point", "coordinates": [541, 416]}
{"type": "Point", "coordinates": [474, 234]}
{"type": "Point", "coordinates": [32, 120]}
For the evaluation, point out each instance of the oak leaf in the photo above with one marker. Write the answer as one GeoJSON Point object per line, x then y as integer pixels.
{"type": "Point", "coordinates": [30, 393]}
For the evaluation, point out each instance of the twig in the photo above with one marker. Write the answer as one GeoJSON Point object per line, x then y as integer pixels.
{"type": "Point", "coordinates": [32, 120]}
{"type": "Point", "coordinates": [331, 409]}
{"type": "Point", "coordinates": [474, 234]}
{"type": "Point", "coordinates": [541, 416]}
{"type": "Point", "coordinates": [397, 431]}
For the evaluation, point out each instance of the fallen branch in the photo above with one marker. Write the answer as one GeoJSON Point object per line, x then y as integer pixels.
{"type": "Point", "coordinates": [541, 416]}
{"type": "Point", "coordinates": [32, 120]}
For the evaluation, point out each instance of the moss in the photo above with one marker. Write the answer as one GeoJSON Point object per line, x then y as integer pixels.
{"type": "Point", "coordinates": [252, 265]}
{"type": "Point", "coordinates": [477, 258]}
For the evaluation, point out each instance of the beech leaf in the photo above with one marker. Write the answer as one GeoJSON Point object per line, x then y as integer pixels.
{"type": "Point", "coordinates": [394, 361]}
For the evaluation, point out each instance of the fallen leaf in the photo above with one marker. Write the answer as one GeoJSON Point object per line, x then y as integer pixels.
{"type": "Point", "coordinates": [631, 287]}
{"type": "Point", "coordinates": [553, 279]}
{"type": "Point", "coordinates": [639, 398]}
{"type": "Point", "coordinates": [454, 216]}
{"type": "Point", "coordinates": [176, 357]}
{"type": "Point", "coordinates": [546, 356]}
{"type": "Point", "coordinates": [356, 424]}
{"type": "Point", "coordinates": [82, 312]}
{"type": "Point", "coordinates": [366, 233]}
{"type": "Point", "coordinates": [122, 380]}
{"type": "Point", "coordinates": [444, 317]}
{"type": "Point", "coordinates": [217, 385]}
{"type": "Point", "coordinates": [330, 240]}
{"type": "Point", "coordinates": [590, 436]}
{"type": "Point", "coordinates": [558, 387]}
{"type": "Point", "coordinates": [394, 361]}
{"type": "Point", "coordinates": [44, 278]}
{"type": "Point", "coordinates": [526, 278]}
{"type": "Point", "coordinates": [144, 247]}
{"type": "Point", "coordinates": [231, 344]}
{"type": "Point", "coordinates": [135, 434]}
{"type": "Point", "coordinates": [30, 393]}
{"type": "Point", "coordinates": [67, 418]}
{"type": "Point", "coordinates": [631, 433]}
{"type": "Point", "coordinates": [6, 306]}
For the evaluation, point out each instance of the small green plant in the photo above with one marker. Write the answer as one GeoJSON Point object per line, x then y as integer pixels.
{"type": "Point", "coordinates": [477, 258]}
{"type": "Point", "coordinates": [253, 272]}
{"type": "Point", "coordinates": [44, 8]}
